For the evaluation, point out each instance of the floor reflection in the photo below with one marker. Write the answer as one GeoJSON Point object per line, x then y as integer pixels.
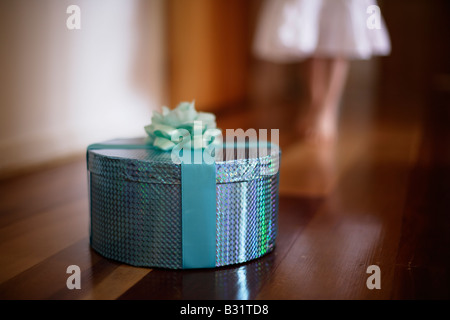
{"type": "Point", "coordinates": [244, 281]}
{"type": "Point", "coordinates": [240, 282]}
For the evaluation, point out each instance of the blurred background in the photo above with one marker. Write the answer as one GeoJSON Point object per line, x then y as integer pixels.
{"type": "Point", "coordinates": [63, 89]}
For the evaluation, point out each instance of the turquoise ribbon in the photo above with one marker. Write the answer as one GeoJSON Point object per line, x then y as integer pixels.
{"type": "Point", "coordinates": [198, 209]}
{"type": "Point", "coordinates": [182, 126]}
{"type": "Point", "coordinates": [198, 199]}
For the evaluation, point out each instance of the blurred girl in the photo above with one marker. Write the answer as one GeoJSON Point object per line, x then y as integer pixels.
{"type": "Point", "coordinates": [328, 33]}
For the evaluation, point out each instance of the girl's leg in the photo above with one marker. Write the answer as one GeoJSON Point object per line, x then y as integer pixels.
{"type": "Point", "coordinates": [315, 76]}
{"type": "Point", "coordinates": [337, 76]}
{"type": "Point", "coordinates": [327, 79]}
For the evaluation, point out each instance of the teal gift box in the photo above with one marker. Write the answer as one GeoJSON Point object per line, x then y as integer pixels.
{"type": "Point", "coordinates": [148, 210]}
{"type": "Point", "coordinates": [181, 198]}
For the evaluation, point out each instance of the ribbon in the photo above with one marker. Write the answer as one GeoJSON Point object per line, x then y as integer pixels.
{"type": "Point", "coordinates": [198, 200]}
{"type": "Point", "coordinates": [182, 126]}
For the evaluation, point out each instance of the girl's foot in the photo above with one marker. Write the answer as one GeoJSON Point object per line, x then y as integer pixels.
{"type": "Point", "coordinates": [320, 128]}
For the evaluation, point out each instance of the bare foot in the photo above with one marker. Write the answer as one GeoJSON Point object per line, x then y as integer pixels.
{"type": "Point", "coordinates": [320, 128]}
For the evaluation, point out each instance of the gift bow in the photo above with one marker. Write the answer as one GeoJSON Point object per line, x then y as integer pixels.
{"type": "Point", "coordinates": [183, 126]}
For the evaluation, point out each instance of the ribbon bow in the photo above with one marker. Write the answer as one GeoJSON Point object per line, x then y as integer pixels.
{"type": "Point", "coordinates": [182, 126]}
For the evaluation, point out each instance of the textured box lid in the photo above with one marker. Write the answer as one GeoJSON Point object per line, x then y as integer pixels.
{"type": "Point", "coordinates": [133, 160]}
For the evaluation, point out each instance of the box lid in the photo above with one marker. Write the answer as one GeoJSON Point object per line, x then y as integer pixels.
{"type": "Point", "coordinates": [134, 160]}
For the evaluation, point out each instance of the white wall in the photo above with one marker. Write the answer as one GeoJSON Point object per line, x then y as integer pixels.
{"type": "Point", "coordinates": [62, 89]}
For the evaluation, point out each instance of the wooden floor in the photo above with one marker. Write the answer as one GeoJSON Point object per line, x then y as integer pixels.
{"type": "Point", "coordinates": [380, 197]}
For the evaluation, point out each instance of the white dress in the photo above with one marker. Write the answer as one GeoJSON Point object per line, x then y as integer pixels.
{"type": "Point", "coordinates": [292, 30]}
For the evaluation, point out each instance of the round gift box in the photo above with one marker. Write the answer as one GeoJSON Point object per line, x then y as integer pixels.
{"type": "Point", "coordinates": [136, 211]}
